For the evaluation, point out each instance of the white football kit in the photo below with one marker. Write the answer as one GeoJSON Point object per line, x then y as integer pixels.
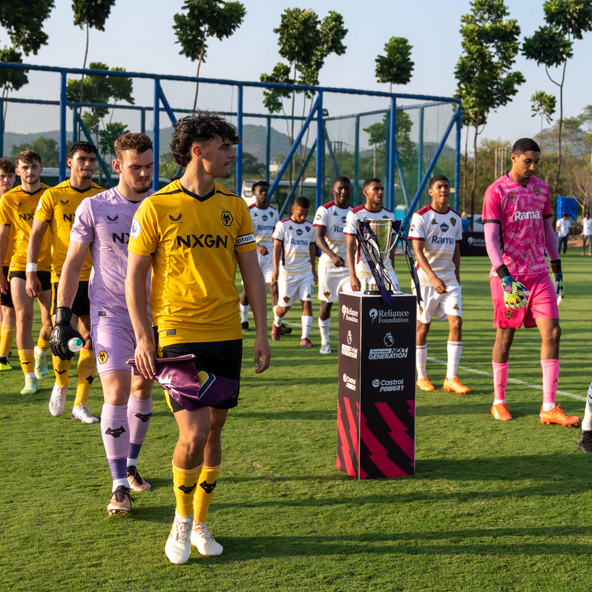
{"type": "Point", "coordinates": [264, 221]}
{"type": "Point", "coordinates": [295, 279]}
{"type": "Point", "coordinates": [351, 227]}
{"type": "Point", "coordinates": [439, 233]}
{"type": "Point", "coordinates": [331, 278]}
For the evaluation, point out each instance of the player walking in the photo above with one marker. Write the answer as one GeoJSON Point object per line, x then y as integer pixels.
{"type": "Point", "coordinates": [294, 254]}
{"type": "Point", "coordinates": [563, 226]}
{"type": "Point", "coordinates": [193, 232]}
{"type": "Point", "coordinates": [57, 210]}
{"type": "Point", "coordinates": [586, 234]}
{"type": "Point", "coordinates": [359, 272]}
{"type": "Point", "coordinates": [102, 226]}
{"type": "Point", "coordinates": [333, 273]}
{"type": "Point", "coordinates": [436, 232]}
{"type": "Point", "coordinates": [16, 212]}
{"type": "Point", "coordinates": [517, 215]}
{"type": "Point", "coordinates": [7, 316]}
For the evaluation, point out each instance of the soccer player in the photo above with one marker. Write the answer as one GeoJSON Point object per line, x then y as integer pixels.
{"type": "Point", "coordinates": [294, 252]}
{"type": "Point", "coordinates": [264, 219]}
{"type": "Point", "coordinates": [7, 316]}
{"type": "Point", "coordinates": [102, 225]}
{"type": "Point", "coordinates": [359, 272]}
{"type": "Point", "coordinates": [586, 234]}
{"type": "Point", "coordinates": [193, 232]}
{"type": "Point", "coordinates": [436, 232]}
{"type": "Point", "coordinates": [333, 273]}
{"type": "Point", "coordinates": [563, 226]}
{"type": "Point", "coordinates": [517, 215]}
{"type": "Point", "coordinates": [57, 210]}
{"type": "Point", "coordinates": [16, 210]}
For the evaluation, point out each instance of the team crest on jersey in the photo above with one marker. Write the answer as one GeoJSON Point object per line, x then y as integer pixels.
{"type": "Point", "coordinates": [343, 218]}
{"type": "Point", "coordinates": [264, 218]}
{"type": "Point", "coordinates": [299, 231]}
{"type": "Point", "coordinates": [444, 227]}
{"type": "Point", "coordinates": [453, 221]}
{"type": "Point", "coordinates": [177, 219]}
{"type": "Point", "coordinates": [307, 228]}
{"type": "Point", "coordinates": [227, 218]}
{"type": "Point", "coordinates": [434, 221]}
{"type": "Point", "coordinates": [537, 191]}
{"type": "Point", "coordinates": [136, 229]}
{"type": "Point", "coordinates": [286, 299]}
{"type": "Point", "coordinates": [327, 294]}
{"type": "Point", "coordinates": [103, 357]}
{"type": "Point", "coordinates": [271, 214]}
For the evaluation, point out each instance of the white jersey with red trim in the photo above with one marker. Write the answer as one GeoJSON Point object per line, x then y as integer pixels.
{"type": "Point", "coordinates": [439, 234]}
{"type": "Point", "coordinates": [333, 219]}
{"type": "Point", "coordinates": [264, 221]}
{"type": "Point", "coordinates": [296, 239]}
{"type": "Point", "coordinates": [351, 228]}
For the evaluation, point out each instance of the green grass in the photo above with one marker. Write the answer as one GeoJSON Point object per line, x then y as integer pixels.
{"type": "Point", "coordinates": [493, 507]}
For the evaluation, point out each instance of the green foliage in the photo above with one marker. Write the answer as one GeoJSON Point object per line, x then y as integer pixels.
{"type": "Point", "coordinates": [571, 17]}
{"type": "Point", "coordinates": [108, 136]}
{"type": "Point", "coordinates": [167, 166]}
{"type": "Point", "coordinates": [47, 148]}
{"type": "Point", "coordinates": [396, 66]}
{"type": "Point", "coordinates": [543, 105]}
{"type": "Point", "coordinates": [252, 168]}
{"type": "Point", "coordinates": [548, 46]}
{"type": "Point", "coordinates": [272, 99]}
{"type": "Point", "coordinates": [23, 21]}
{"type": "Point", "coordinates": [12, 79]}
{"type": "Point", "coordinates": [92, 13]}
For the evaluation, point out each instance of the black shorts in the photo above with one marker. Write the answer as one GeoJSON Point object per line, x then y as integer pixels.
{"type": "Point", "coordinates": [81, 304]}
{"type": "Point", "coordinates": [223, 358]}
{"type": "Point", "coordinates": [6, 299]}
{"type": "Point", "coordinates": [44, 278]}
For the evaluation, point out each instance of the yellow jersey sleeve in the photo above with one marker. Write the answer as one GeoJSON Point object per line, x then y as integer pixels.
{"type": "Point", "coordinates": [245, 241]}
{"type": "Point", "coordinates": [45, 207]}
{"type": "Point", "coordinates": [144, 234]}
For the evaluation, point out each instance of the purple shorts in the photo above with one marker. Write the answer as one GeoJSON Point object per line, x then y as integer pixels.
{"type": "Point", "coordinates": [113, 345]}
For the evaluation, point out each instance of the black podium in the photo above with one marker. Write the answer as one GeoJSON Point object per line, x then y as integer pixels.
{"type": "Point", "coordinates": [376, 394]}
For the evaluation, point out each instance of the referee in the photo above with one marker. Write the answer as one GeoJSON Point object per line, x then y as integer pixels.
{"type": "Point", "coordinates": [193, 232]}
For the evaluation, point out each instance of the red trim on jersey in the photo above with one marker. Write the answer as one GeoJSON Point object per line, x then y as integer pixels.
{"type": "Point", "coordinates": [321, 225]}
{"type": "Point", "coordinates": [416, 238]}
{"type": "Point", "coordinates": [286, 219]}
{"type": "Point", "coordinates": [363, 207]}
{"type": "Point", "coordinates": [328, 204]}
{"type": "Point", "coordinates": [424, 210]}
{"type": "Point", "coordinates": [267, 207]}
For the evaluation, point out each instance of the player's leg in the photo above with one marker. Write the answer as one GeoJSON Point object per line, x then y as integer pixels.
{"type": "Point", "coordinates": [87, 368]}
{"type": "Point", "coordinates": [305, 295]}
{"type": "Point", "coordinates": [585, 435]}
{"type": "Point", "coordinates": [7, 331]}
{"type": "Point", "coordinates": [500, 361]}
{"type": "Point", "coordinates": [451, 309]}
{"type": "Point", "coordinates": [273, 292]}
{"type": "Point", "coordinates": [139, 412]}
{"type": "Point", "coordinates": [287, 292]}
{"type": "Point", "coordinates": [42, 346]}
{"type": "Point", "coordinates": [244, 311]}
{"type": "Point", "coordinates": [421, 356]}
{"type": "Point", "coordinates": [23, 306]}
{"type": "Point", "coordinates": [325, 324]}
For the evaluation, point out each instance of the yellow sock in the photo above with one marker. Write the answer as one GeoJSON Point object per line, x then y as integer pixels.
{"type": "Point", "coordinates": [42, 344]}
{"type": "Point", "coordinates": [27, 359]}
{"type": "Point", "coordinates": [6, 338]}
{"type": "Point", "coordinates": [185, 484]}
{"type": "Point", "coordinates": [60, 369]}
{"type": "Point", "coordinates": [205, 491]}
{"type": "Point", "coordinates": [87, 368]}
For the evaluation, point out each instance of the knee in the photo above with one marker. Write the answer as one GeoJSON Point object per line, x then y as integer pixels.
{"type": "Point", "coordinates": [193, 442]}
{"type": "Point", "coordinates": [555, 335]}
{"type": "Point", "coordinates": [456, 323]}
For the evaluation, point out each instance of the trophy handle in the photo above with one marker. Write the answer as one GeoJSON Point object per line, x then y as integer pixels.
{"type": "Point", "coordinates": [393, 240]}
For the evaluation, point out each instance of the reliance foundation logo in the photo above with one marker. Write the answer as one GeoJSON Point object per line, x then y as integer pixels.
{"type": "Point", "coordinates": [349, 314]}
{"type": "Point", "coordinates": [350, 382]}
{"type": "Point", "coordinates": [389, 316]}
{"type": "Point", "coordinates": [388, 385]}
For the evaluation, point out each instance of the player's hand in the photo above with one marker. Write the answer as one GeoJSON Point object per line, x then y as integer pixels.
{"type": "Point", "coordinates": [145, 356]}
{"type": "Point", "coordinates": [557, 280]}
{"type": "Point", "coordinates": [315, 277]}
{"type": "Point", "coordinates": [515, 293]}
{"type": "Point", "coordinates": [274, 277]}
{"type": "Point", "coordinates": [439, 286]}
{"type": "Point", "coordinates": [62, 333]}
{"type": "Point", "coordinates": [262, 354]}
{"type": "Point", "coordinates": [33, 285]}
{"type": "Point", "coordinates": [355, 283]}
{"type": "Point", "coordinates": [262, 250]}
{"type": "Point", "coordinates": [337, 261]}
{"type": "Point", "coordinates": [3, 283]}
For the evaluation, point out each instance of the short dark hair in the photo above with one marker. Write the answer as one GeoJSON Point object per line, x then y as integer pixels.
{"type": "Point", "coordinates": [139, 143]}
{"type": "Point", "coordinates": [302, 202]}
{"type": "Point", "coordinates": [368, 182]}
{"type": "Point", "coordinates": [200, 128]}
{"type": "Point", "coordinates": [437, 178]}
{"type": "Point", "coordinates": [7, 166]}
{"type": "Point", "coordinates": [525, 145]}
{"type": "Point", "coordinates": [81, 147]}
{"type": "Point", "coordinates": [259, 184]}
{"type": "Point", "coordinates": [27, 157]}
{"type": "Point", "coordinates": [341, 179]}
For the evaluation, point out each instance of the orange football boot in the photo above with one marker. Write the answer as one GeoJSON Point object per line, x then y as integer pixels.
{"type": "Point", "coordinates": [425, 385]}
{"type": "Point", "coordinates": [454, 385]}
{"type": "Point", "coordinates": [559, 416]}
{"type": "Point", "coordinates": [501, 412]}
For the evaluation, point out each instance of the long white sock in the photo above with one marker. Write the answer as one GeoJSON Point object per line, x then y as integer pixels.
{"type": "Point", "coordinates": [244, 313]}
{"type": "Point", "coordinates": [324, 329]}
{"type": "Point", "coordinates": [454, 352]}
{"type": "Point", "coordinates": [306, 325]}
{"type": "Point", "coordinates": [587, 423]}
{"type": "Point", "coordinates": [421, 358]}
{"type": "Point", "coordinates": [277, 321]}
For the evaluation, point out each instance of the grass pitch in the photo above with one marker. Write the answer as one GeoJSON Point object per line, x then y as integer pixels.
{"type": "Point", "coordinates": [493, 507]}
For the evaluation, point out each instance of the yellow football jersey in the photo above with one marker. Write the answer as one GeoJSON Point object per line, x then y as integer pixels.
{"type": "Point", "coordinates": [16, 210]}
{"type": "Point", "coordinates": [10, 251]}
{"type": "Point", "coordinates": [58, 207]}
{"type": "Point", "coordinates": [194, 241]}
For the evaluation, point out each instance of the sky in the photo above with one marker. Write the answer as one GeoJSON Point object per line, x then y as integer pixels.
{"type": "Point", "coordinates": [139, 37]}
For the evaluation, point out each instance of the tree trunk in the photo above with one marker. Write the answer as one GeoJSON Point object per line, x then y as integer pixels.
{"type": "Point", "coordinates": [474, 186]}
{"type": "Point", "coordinates": [374, 165]}
{"type": "Point", "coordinates": [84, 66]}
{"type": "Point", "coordinates": [556, 184]}
{"type": "Point", "coordinates": [201, 52]}
{"type": "Point", "coordinates": [465, 171]}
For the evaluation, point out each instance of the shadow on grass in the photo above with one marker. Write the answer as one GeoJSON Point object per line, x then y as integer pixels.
{"type": "Point", "coordinates": [313, 414]}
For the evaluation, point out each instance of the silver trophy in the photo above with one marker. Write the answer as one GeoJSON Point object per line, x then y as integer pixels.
{"type": "Point", "coordinates": [377, 240]}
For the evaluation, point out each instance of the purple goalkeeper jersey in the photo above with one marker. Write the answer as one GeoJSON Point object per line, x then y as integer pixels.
{"type": "Point", "coordinates": [104, 221]}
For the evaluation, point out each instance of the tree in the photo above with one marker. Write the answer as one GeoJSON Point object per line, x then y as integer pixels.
{"type": "Point", "coordinates": [23, 21]}
{"type": "Point", "coordinates": [90, 14]}
{"type": "Point", "coordinates": [108, 136]}
{"type": "Point", "coordinates": [484, 70]}
{"type": "Point", "coordinates": [376, 137]}
{"type": "Point", "coordinates": [11, 79]}
{"type": "Point", "coordinates": [552, 45]}
{"type": "Point", "coordinates": [47, 148]}
{"type": "Point", "coordinates": [543, 105]}
{"type": "Point", "coordinates": [396, 66]}
{"type": "Point", "coordinates": [203, 19]}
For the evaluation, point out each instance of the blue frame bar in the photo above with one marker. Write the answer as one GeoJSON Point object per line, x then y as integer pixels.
{"type": "Point", "coordinates": [75, 116]}
{"type": "Point", "coordinates": [143, 121]}
{"type": "Point", "coordinates": [156, 134]}
{"type": "Point", "coordinates": [392, 155]}
{"type": "Point", "coordinates": [63, 126]}
{"type": "Point", "coordinates": [320, 152]}
{"type": "Point", "coordinates": [1, 127]}
{"type": "Point", "coordinates": [167, 107]}
{"type": "Point", "coordinates": [297, 180]}
{"type": "Point", "coordinates": [330, 150]}
{"type": "Point", "coordinates": [420, 148]}
{"type": "Point", "coordinates": [387, 140]}
{"type": "Point", "coordinates": [239, 148]}
{"type": "Point", "coordinates": [401, 177]}
{"type": "Point", "coordinates": [267, 148]}
{"type": "Point", "coordinates": [458, 157]}
{"type": "Point", "coordinates": [356, 160]}
{"type": "Point", "coordinates": [89, 139]}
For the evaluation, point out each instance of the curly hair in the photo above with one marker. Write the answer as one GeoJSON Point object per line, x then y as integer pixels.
{"type": "Point", "coordinates": [6, 166]}
{"type": "Point", "coordinates": [27, 157]}
{"type": "Point", "coordinates": [199, 129]}
{"type": "Point", "coordinates": [139, 143]}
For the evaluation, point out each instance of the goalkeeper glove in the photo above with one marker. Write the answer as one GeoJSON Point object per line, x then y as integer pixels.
{"type": "Point", "coordinates": [515, 293]}
{"type": "Point", "coordinates": [62, 333]}
{"type": "Point", "coordinates": [558, 280]}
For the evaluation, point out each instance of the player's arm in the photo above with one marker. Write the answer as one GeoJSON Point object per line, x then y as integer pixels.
{"type": "Point", "coordinates": [553, 252]}
{"type": "Point", "coordinates": [33, 285]}
{"type": "Point", "coordinates": [71, 271]}
{"type": "Point", "coordinates": [277, 253]}
{"type": "Point", "coordinates": [351, 245]}
{"type": "Point", "coordinates": [138, 267]}
{"type": "Point", "coordinates": [421, 259]}
{"type": "Point", "coordinates": [456, 261]}
{"type": "Point", "coordinates": [320, 234]}
{"type": "Point", "coordinates": [312, 249]}
{"type": "Point", "coordinates": [4, 237]}
{"type": "Point", "coordinates": [257, 295]}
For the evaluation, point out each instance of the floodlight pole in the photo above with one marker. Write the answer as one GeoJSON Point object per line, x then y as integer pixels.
{"type": "Point", "coordinates": [392, 155]}
{"type": "Point", "coordinates": [320, 152]}
{"type": "Point", "coordinates": [357, 160]}
{"type": "Point", "coordinates": [457, 159]}
{"type": "Point", "coordinates": [63, 100]}
{"type": "Point", "coordinates": [239, 148]}
{"type": "Point", "coordinates": [156, 135]}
